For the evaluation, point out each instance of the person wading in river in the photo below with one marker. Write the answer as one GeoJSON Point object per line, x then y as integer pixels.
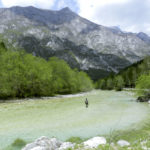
{"type": "Point", "coordinates": [86, 103]}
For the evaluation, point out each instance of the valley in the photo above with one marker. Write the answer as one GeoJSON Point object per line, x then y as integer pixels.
{"type": "Point", "coordinates": [108, 112]}
{"type": "Point", "coordinates": [52, 60]}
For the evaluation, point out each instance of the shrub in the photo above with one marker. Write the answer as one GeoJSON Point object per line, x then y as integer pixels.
{"type": "Point", "coordinates": [18, 143]}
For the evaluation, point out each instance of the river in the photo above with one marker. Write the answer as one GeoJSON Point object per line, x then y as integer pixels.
{"type": "Point", "coordinates": [67, 116]}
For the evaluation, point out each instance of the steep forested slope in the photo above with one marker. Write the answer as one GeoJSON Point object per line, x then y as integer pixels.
{"type": "Point", "coordinates": [127, 77]}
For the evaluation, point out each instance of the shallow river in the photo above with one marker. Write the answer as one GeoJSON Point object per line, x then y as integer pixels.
{"type": "Point", "coordinates": [67, 117]}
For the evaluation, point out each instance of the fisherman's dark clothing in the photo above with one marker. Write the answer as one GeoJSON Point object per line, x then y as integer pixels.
{"type": "Point", "coordinates": [86, 103]}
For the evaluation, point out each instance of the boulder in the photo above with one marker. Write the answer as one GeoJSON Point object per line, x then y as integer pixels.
{"type": "Point", "coordinates": [94, 142]}
{"type": "Point", "coordinates": [145, 98]}
{"type": "Point", "coordinates": [123, 143]}
{"type": "Point", "coordinates": [43, 143]}
{"type": "Point", "coordinates": [66, 145]}
{"type": "Point", "coordinates": [142, 99]}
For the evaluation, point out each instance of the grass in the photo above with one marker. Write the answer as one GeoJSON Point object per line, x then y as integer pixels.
{"type": "Point", "coordinates": [138, 139]}
{"type": "Point", "coordinates": [16, 145]}
{"type": "Point", "coordinates": [19, 143]}
{"type": "Point", "coordinates": [76, 140]}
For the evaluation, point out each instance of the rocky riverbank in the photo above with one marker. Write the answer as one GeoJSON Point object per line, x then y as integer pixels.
{"type": "Point", "coordinates": [145, 98]}
{"type": "Point", "coordinates": [44, 143]}
{"type": "Point", "coordinates": [96, 143]}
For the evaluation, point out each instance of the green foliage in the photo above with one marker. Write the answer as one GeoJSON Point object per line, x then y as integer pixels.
{"type": "Point", "coordinates": [2, 48]}
{"type": "Point", "coordinates": [119, 83]}
{"type": "Point", "coordinates": [143, 84]}
{"type": "Point", "coordinates": [101, 84]}
{"type": "Point", "coordinates": [129, 77]}
{"type": "Point", "coordinates": [24, 75]}
{"type": "Point", "coordinates": [66, 80]}
{"type": "Point", "coordinates": [76, 140]}
{"type": "Point", "coordinates": [109, 84]}
{"type": "Point", "coordinates": [18, 143]}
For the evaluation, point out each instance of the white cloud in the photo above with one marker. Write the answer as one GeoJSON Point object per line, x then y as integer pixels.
{"type": "Point", "coordinates": [61, 4]}
{"type": "Point", "coordinates": [130, 15]}
{"type": "Point", "coordinates": [37, 3]}
{"type": "Point", "coordinates": [88, 8]}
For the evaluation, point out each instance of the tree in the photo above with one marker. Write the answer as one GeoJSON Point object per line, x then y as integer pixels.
{"type": "Point", "coordinates": [143, 85]}
{"type": "Point", "coordinates": [24, 75]}
{"type": "Point", "coordinates": [101, 84]}
{"type": "Point", "coordinates": [109, 84]}
{"type": "Point", "coordinates": [119, 83]}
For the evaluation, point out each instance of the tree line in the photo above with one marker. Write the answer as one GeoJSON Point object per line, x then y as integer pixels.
{"type": "Point", "coordinates": [24, 75]}
{"type": "Point", "coordinates": [133, 76]}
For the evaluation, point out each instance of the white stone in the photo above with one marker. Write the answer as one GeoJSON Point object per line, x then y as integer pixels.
{"type": "Point", "coordinates": [66, 145]}
{"type": "Point", "coordinates": [123, 143]}
{"type": "Point", "coordinates": [94, 142]}
{"type": "Point", "coordinates": [149, 101]}
{"type": "Point", "coordinates": [29, 146]}
{"type": "Point", "coordinates": [43, 143]}
{"type": "Point", "coordinates": [38, 148]}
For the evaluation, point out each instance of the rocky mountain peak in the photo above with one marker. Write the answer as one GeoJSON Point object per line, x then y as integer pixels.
{"type": "Point", "coordinates": [144, 37]}
{"type": "Point", "coordinates": [83, 44]}
{"type": "Point", "coordinates": [66, 9]}
{"type": "Point", "coordinates": [43, 16]}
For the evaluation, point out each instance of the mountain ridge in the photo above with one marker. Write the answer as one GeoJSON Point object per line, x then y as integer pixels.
{"type": "Point", "coordinates": [83, 44]}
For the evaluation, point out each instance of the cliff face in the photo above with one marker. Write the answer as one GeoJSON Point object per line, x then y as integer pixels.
{"type": "Point", "coordinates": [83, 44]}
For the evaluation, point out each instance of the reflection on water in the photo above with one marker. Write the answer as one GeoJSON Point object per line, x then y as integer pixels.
{"type": "Point", "coordinates": [66, 117]}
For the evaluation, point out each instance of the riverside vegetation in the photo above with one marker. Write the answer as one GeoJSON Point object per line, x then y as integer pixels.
{"type": "Point", "coordinates": [135, 76]}
{"type": "Point", "coordinates": [23, 75]}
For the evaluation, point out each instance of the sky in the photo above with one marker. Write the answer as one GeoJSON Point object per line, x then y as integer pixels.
{"type": "Point", "coordinates": [129, 15]}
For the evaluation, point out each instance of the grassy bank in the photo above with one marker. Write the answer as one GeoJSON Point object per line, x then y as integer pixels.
{"type": "Point", "coordinates": [138, 139]}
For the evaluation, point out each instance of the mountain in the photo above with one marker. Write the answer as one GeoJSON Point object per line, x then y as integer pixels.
{"type": "Point", "coordinates": [96, 49]}
{"type": "Point", "coordinates": [144, 37]}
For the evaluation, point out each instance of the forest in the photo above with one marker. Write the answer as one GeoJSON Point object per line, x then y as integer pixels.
{"type": "Point", "coordinates": [135, 76]}
{"type": "Point", "coordinates": [24, 75]}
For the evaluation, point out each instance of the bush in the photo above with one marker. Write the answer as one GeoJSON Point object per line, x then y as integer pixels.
{"type": "Point", "coordinates": [18, 143]}
{"type": "Point", "coordinates": [143, 85]}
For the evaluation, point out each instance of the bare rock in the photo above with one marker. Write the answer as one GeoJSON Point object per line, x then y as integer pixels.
{"type": "Point", "coordinates": [94, 142]}
{"type": "Point", "coordinates": [123, 143]}
{"type": "Point", "coordinates": [66, 145]}
{"type": "Point", "coordinates": [43, 143]}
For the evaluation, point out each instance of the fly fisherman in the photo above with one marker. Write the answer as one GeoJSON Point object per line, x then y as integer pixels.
{"type": "Point", "coordinates": [86, 103]}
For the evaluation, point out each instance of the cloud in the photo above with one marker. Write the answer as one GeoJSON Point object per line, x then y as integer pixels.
{"type": "Point", "coordinates": [130, 15]}
{"type": "Point", "coordinates": [37, 3]}
{"type": "Point", "coordinates": [72, 4]}
{"type": "Point", "coordinates": [90, 7]}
